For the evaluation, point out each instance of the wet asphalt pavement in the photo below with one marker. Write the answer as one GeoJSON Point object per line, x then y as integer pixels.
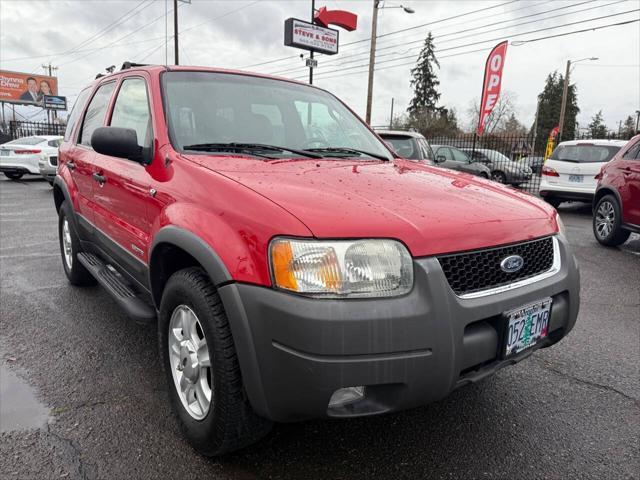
{"type": "Point", "coordinates": [571, 411]}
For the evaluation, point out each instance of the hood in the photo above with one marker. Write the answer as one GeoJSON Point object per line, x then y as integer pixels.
{"type": "Point", "coordinates": [430, 209]}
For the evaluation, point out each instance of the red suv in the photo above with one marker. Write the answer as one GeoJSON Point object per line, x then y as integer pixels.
{"type": "Point", "coordinates": [296, 267]}
{"type": "Point", "coordinates": [616, 206]}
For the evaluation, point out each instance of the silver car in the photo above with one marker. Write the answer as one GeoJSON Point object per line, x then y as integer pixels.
{"type": "Point", "coordinates": [503, 169]}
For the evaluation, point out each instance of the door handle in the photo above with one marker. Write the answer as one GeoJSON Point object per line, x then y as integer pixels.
{"type": "Point", "coordinates": [71, 166]}
{"type": "Point", "coordinates": [98, 177]}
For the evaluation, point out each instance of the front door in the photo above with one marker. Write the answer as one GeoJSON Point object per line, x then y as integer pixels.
{"type": "Point", "coordinates": [122, 186]}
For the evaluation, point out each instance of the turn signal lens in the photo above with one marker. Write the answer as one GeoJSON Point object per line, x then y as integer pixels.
{"type": "Point", "coordinates": [549, 172]}
{"type": "Point", "coordinates": [359, 268]}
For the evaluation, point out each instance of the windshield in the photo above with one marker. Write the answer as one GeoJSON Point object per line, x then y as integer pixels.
{"type": "Point", "coordinates": [220, 108]}
{"type": "Point", "coordinates": [585, 153]}
{"type": "Point", "coordinates": [406, 147]}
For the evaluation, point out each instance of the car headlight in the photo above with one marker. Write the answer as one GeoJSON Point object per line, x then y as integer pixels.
{"type": "Point", "coordinates": [341, 268]}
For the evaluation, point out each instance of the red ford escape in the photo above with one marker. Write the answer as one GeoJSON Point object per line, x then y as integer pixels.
{"type": "Point", "coordinates": [296, 267]}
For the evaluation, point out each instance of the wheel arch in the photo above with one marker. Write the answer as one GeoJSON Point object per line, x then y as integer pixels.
{"type": "Point", "coordinates": [60, 193]}
{"type": "Point", "coordinates": [175, 248]}
{"type": "Point", "coordinates": [606, 190]}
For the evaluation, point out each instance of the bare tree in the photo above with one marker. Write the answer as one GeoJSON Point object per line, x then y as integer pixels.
{"type": "Point", "coordinates": [496, 121]}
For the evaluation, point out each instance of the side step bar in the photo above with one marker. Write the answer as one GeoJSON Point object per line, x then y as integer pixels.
{"type": "Point", "coordinates": [117, 286]}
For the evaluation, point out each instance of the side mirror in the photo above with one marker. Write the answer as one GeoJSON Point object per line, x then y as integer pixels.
{"type": "Point", "coordinates": [117, 142]}
{"type": "Point", "coordinates": [440, 158]}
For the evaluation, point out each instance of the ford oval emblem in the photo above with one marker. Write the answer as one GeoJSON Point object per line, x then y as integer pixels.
{"type": "Point", "coordinates": [512, 263]}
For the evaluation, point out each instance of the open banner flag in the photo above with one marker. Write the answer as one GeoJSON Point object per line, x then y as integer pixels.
{"type": "Point", "coordinates": [492, 82]}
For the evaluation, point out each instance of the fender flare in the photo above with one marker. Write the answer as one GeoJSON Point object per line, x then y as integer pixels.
{"type": "Point", "coordinates": [194, 246]}
{"type": "Point", "coordinates": [59, 182]}
{"type": "Point", "coordinates": [606, 190]}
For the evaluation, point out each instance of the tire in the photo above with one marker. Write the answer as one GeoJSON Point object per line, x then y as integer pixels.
{"type": "Point", "coordinates": [13, 175]}
{"type": "Point", "coordinates": [499, 177]}
{"type": "Point", "coordinates": [607, 222]}
{"type": "Point", "coordinates": [554, 202]}
{"type": "Point", "coordinates": [73, 269]}
{"type": "Point", "coordinates": [228, 422]}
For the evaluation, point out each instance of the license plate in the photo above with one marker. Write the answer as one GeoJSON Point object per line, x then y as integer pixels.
{"type": "Point", "coordinates": [4, 153]}
{"type": "Point", "coordinates": [526, 326]}
{"type": "Point", "coordinates": [575, 178]}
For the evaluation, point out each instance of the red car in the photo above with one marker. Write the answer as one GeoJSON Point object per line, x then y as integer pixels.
{"type": "Point", "coordinates": [616, 206]}
{"type": "Point", "coordinates": [295, 266]}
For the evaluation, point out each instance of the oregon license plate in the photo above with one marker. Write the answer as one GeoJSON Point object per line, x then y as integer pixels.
{"type": "Point", "coordinates": [526, 326]}
{"type": "Point", "coordinates": [575, 178]}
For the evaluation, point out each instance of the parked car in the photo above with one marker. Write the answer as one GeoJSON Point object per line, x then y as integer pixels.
{"type": "Point", "coordinates": [534, 163]}
{"type": "Point", "coordinates": [409, 145]}
{"type": "Point", "coordinates": [569, 174]}
{"type": "Point", "coordinates": [616, 205]}
{"type": "Point", "coordinates": [503, 169]}
{"type": "Point", "coordinates": [48, 164]}
{"type": "Point", "coordinates": [23, 155]}
{"type": "Point", "coordinates": [455, 159]}
{"type": "Point", "coordinates": [289, 280]}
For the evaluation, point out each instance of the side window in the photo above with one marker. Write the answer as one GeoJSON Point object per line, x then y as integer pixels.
{"type": "Point", "coordinates": [75, 113]}
{"type": "Point", "coordinates": [131, 110]}
{"type": "Point", "coordinates": [459, 156]}
{"type": "Point", "coordinates": [633, 153]}
{"type": "Point", "coordinates": [54, 143]}
{"type": "Point", "coordinates": [96, 112]}
{"type": "Point", "coordinates": [445, 152]}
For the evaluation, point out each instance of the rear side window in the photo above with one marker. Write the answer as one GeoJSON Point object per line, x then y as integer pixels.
{"type": "Point", "coordinates": [585, 153]}
{"type": "Point", "coordinates": [75, 113]}
{"type": "Point", "coordinates": [633, 153]}
{"type": "Point", "coordinates": [131, 110]}
{"type": "Point", "coordinates": [96, 111]}
{"type": "Point", "coordinates": [54, 143]}
{"type": "Point", "coordinates": [459, 156]}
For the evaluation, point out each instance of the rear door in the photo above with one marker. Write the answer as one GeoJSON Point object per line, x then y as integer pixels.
{"type": "Point", "coordinates": [578, 165]}
{"type": "Point", "coordinates": [80, 156]}
{"type": "Point", "coordinates": [120, 213]}
{"type": "Point", "coordinates": [628, 167]}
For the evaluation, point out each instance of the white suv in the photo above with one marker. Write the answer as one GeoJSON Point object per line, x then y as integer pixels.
{"type": "Point", "coordinates": [570, 172]}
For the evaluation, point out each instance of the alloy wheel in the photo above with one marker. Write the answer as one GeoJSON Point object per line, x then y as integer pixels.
{"type": "Point", "coordinates": [605, 219]}
{"type": "Point", "coordinates": [190, 362]}
{"type": "Point", "coordinates": [67, 246]}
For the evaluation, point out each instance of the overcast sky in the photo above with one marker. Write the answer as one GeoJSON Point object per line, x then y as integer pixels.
{"type": "Point", "coordinates": [78, 36]}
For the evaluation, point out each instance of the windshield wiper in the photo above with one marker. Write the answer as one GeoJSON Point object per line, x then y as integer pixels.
{"type": "Point", "coordinates": [251, 147]}
{"type": "Point", "coordinates": [347, 150]}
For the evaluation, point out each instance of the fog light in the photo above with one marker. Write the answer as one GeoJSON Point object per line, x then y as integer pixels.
{"type": "Point", "coordinates": [344, 396]}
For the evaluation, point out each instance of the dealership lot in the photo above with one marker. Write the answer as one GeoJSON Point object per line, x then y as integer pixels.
{"type": "Point", "coordinates": [572, 411]}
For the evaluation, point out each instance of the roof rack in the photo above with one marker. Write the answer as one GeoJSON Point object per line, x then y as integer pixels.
{"type": "Point", "coordinates": [128, 65]}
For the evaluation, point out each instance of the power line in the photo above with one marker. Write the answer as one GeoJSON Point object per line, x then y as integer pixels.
{"type": "Point", "coordinates": [386, 34]}
{"type": "Point", "coordinates": [436, 37]}
{"type": "Point", "coordinates": [495, 39]}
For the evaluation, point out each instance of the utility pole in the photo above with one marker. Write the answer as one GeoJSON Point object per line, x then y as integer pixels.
{"type": "Point", "coordinates": [372, 59]}
{"type": "Point", "coordinates": [175, 31]}
{"type": "Point", "coordinates": [563, 107]}
{"type": "Point", "coordinates": [49, 68]}
{"type": "Point", "coordinates": [313, 12]}
{"type": "Point", "coordinates": [637, 120]}
{"type": "Point", "coordinates": [391, 116]}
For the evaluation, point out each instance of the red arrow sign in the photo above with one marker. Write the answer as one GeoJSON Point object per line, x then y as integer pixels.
{"type": "Point", "coordinates": [341, 18]}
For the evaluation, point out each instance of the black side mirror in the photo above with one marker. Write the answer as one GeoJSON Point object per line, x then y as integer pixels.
{"type": "Point", "coordinates": [117, 142]}
{"type": "Point", "coordinates": [440, 158]}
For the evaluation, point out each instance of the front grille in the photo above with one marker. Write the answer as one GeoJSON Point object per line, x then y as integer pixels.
{"type": "Point", "coordinates": [53, 161]}
{"type": "Point", "coordinates": [480, 270]}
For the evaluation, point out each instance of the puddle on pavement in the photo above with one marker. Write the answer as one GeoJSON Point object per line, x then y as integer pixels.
{"type": "Point", "coordinates": [19, 407]}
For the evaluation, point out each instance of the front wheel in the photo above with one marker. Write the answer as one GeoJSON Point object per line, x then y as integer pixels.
{"type": "Point", "coordinates": [499, 177]}
{"type": "Point", "coordinates": [201, 367]}
{"type": "Point", "coordinates": [14, 175]}
{"type": "Point", "coordinates": [607, 222]}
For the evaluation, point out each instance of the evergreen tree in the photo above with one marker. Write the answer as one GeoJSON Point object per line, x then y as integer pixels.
{"type": "Point", "coordinates": [550, 101]}
{"type": "Point", "coordinates": [597, 128]}
{"type": "Point", "coordinates": [512, 125]}
{"type": "Point", "coordinates": [628, 128]}
{"type": "Point", "coordinates": [425, 81]}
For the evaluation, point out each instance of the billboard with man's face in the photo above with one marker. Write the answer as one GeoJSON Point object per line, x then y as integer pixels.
{"type": "Point", "coordinates": [26, 88]}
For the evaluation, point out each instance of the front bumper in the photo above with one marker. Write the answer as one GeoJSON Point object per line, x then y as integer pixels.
{"type": "Point", "coordinates": [295, 352]}
{"type": "Point", "coordinates": [20, 164]}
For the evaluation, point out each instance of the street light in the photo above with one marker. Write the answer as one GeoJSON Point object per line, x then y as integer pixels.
{"type": "Point", "coordinates": [565, 91]}
{"type": "Point", "coordinates": [377, 5]}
